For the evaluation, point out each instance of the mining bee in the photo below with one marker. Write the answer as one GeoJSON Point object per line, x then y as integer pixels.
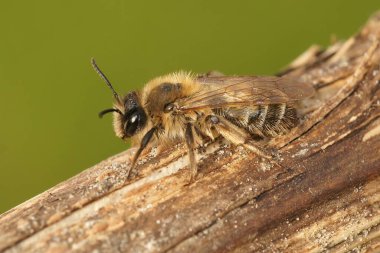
{"type": "Point", "coordinates": [244, 110]}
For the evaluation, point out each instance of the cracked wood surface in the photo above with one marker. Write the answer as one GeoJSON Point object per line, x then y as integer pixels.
{"type": "Point", "coordinates": [323, 195]}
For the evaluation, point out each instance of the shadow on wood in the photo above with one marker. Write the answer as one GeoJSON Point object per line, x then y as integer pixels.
{"type": "Point", "coordinates": [323, 195]}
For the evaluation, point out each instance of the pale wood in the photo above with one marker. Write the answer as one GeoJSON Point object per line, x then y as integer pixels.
{"type": "Point", "coordinates": [323, 195]}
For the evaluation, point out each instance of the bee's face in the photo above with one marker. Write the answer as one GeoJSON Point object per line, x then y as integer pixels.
{"type": "Point", "coordinates": [133, 119]}
{"type": "Point", "coordinates": [129, 118]}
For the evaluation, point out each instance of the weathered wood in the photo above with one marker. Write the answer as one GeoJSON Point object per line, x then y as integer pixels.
{"type": "Point", "coordinates": [323, 195]}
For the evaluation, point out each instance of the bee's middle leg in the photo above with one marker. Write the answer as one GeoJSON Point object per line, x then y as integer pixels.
{"type": "Point", "coordinates": [190, 146]}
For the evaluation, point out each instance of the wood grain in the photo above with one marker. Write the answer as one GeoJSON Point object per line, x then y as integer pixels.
{"type": "Point", "coordinates": [323, 195]}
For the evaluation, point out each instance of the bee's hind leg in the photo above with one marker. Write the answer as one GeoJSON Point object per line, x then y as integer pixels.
{"type": "Point", "coordinates": [236, 135]}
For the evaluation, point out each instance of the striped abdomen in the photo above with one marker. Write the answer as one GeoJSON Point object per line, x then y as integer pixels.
{"type": "Point", "coordinates": [262, 120]}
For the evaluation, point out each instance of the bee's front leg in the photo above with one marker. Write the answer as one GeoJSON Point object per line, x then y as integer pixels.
{"type": "Point", "coordinates": [144, 142]}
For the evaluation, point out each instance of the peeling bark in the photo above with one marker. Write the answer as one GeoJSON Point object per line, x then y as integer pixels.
{"type": "Point", "coordinates": [323, 195]}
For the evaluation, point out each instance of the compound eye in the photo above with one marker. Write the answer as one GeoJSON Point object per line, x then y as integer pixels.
{"type": "Point", "coordinates": [134, 121]}
{"type": "Point", "coordinates": [132, 125]}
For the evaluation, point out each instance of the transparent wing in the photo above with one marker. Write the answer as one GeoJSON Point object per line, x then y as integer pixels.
{"type": "Point", "coordinates": [224, 91]}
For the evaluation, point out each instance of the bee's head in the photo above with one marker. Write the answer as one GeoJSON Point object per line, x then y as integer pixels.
{"type": "Point", "coordinates": [129, 116]}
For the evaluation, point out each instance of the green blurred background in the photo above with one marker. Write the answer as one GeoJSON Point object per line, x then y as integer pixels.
{"type": "Point", "coordinates": [50, 96]}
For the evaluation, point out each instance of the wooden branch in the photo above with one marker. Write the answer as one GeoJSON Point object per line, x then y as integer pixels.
{"type": "Point", "coordinates": [323, 195]}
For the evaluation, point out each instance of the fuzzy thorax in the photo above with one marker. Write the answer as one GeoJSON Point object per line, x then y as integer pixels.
{"type": "Point", "coordinates": [153, 98]}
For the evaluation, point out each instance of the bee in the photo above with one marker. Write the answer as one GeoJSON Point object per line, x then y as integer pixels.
{"type": "Point", "coordinates": [244, 110]}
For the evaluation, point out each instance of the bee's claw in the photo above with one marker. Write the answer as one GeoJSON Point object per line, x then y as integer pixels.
{"type": "Point", "coordinates": [192, 178]}
{"type": "Point", "coordinates": [191, 181]}
{"type": "Point", "coordinates": [274, 153]}
{"type": "Point", "coordinates": [129, 172]}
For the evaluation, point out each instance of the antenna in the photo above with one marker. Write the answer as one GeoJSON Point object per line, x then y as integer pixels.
{"type": "Point", "coordinates": [103, 76]}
